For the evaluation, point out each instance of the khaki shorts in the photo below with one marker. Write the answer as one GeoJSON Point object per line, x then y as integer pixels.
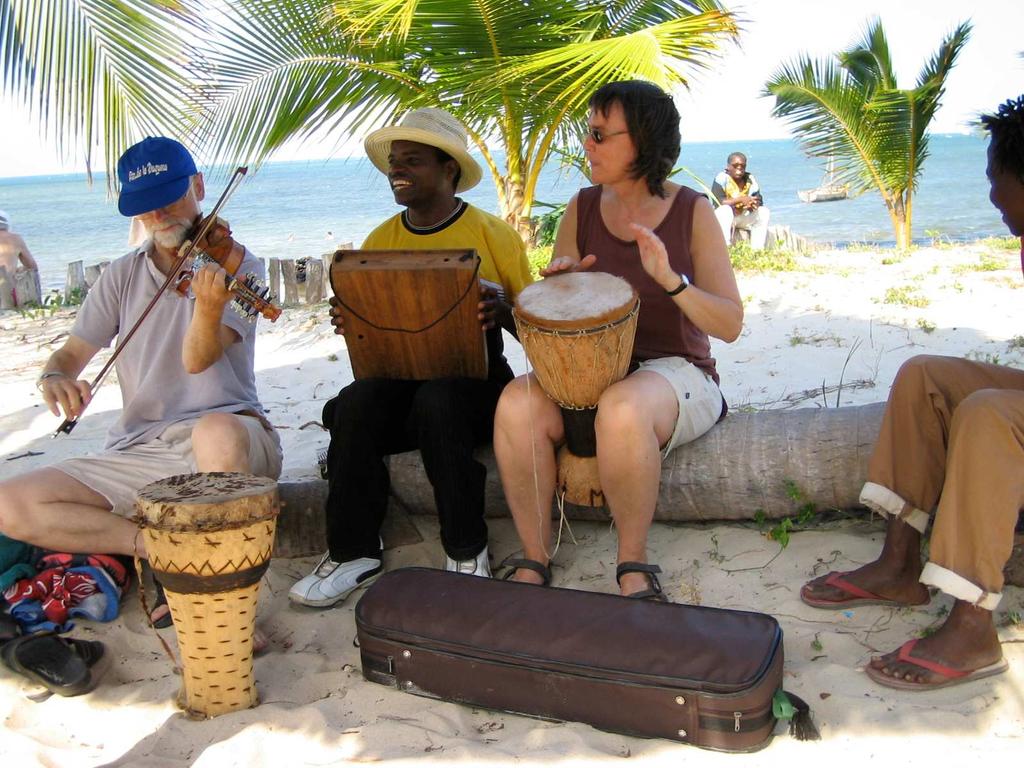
{"type": "Point", "coordinates": [118, 475]}
{"type": "Point", "coordinates": [700, 399]}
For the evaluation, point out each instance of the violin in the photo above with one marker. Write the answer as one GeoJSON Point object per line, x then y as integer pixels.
{"type": "Point", "coordinates": [249, 297]}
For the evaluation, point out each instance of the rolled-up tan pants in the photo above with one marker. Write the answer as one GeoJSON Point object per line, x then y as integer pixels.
{"type": "Point", "coordinates": [952, 444]}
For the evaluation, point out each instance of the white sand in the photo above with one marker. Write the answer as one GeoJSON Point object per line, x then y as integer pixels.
{"type": "Point", "coordinates": [800, 329]}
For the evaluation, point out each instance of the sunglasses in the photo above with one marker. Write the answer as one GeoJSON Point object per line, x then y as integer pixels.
{"type": "Point", "coordinates": [599, 136]}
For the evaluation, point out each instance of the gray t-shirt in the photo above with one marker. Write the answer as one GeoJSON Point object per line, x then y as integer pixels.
{"type": "Point", "coordinates": [155, 388]}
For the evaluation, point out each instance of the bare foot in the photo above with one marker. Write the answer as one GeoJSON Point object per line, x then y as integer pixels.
{"type": "Point", "coordinates": [966, 642]}
{"type": "Point", "coordinates": [527, 576]}
{"type": "Point", "coordinates": [260, 642]}
{"type": "Point", "coordinates": [896, 583]}
{"type": "Point", "coordinates": [893, 576]}
{"type": "Point", "coordinates": [530, 571]}
{"type": "Point", "coordinates": [631, 583]}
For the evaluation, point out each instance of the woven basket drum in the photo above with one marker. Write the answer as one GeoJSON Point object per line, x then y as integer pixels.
{"type": "Point", "coordinates": [577, 329]}
{"type": "Point", "coordinates": [209, 537]}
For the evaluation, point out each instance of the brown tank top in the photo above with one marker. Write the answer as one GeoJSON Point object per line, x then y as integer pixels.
{"type": "Point", "coordinates": [662, 329]}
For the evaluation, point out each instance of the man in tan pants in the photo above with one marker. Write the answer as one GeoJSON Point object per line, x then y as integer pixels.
{"type": "Point", "coordinates": [952, 443]}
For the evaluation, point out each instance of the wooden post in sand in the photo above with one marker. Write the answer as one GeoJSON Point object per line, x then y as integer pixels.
{"type": "Point", "coordinates": [314, 281]}
{"type": "Point", "coordinates": [325, 260]}
{"type": "Point", "coordinates": [75, 284]}
{"type": "Point", "coordinates": [93, 272]}
{"type": "Point", "coordinates": [290, 280]}
{"type": "Point", "coordinates": [328, 259]}
{"type": "Point", "coordinates": [27, 288]}
{"type": "Point", "coordinates": [6, 290]}
{"type": "Point", "coordinates": [274, 277]}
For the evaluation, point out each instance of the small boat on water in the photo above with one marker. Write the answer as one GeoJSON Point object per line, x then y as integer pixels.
{"type": "Point", "coordinates": [828, 190]}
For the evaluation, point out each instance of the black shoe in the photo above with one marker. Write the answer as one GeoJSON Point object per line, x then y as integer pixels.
{"type": "Point", "coordinates": [63, 666]}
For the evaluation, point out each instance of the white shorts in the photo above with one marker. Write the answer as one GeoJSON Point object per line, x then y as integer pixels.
{"type": "Point", "coordinates": [118, 475]}
{"type": "Point", "coordinates": [700, 399]}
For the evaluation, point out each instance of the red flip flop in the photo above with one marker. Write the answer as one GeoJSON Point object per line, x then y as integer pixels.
{"type": "Point", "coordinates": [953, 676]}
{"type": "Point", "coordinates": [855, 596]}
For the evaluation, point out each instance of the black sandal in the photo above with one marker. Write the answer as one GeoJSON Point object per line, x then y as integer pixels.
{"type": "Point", "coordinates": [9, 628]}
{"type": "Point", "coordinates": [160, 619]}
{"type": "Point", "coordinates": [63, 666]}
{"type": "Point", "coordinates": [540, 569]}
{"type": "Point", "coordinates": [654, 593]}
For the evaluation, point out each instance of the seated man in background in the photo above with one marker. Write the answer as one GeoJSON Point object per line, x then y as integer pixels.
{"type": "Point", "coordinates": [187, 381]}
{"type": "Point", "coordinates": [952, 444]}
{"type": "Point", "coordinates": [740, 203]}
{"type": "Point", "coordinates": [427, 163]}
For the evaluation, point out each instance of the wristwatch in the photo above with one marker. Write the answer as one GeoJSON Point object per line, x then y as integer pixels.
{"type": "Point", "coordinates": [684, 282]}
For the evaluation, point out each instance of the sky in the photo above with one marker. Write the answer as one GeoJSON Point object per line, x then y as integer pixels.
{"type": "Point", "coordinates": [724, 103]}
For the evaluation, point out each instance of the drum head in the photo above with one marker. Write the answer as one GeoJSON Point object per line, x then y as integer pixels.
{"type": "Point", "coordinates": [576, 300]}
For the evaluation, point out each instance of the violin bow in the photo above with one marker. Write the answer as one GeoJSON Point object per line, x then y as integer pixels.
{"type": "Point", "coordinates": [236, 178]}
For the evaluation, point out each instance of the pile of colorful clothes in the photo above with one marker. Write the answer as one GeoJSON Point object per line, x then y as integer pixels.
{"type": "Point", "coordinates": [42, 592]}
{"type": "Point", "coordinates": [65, 586]}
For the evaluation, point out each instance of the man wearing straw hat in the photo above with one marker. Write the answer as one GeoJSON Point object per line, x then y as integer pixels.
{"type": "Point", "coordinates": [426, 162]}
{"type": "Point", "coordinates": [186, 377]}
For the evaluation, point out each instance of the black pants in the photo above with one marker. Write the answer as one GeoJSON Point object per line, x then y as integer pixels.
{"type": "Point", "coordinates": [373, 418]}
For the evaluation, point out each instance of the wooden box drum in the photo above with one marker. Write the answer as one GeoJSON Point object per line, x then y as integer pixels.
{"type": "Point", "coordinates": [209, 537]}
{"type": "Point", "coordinates": [577, 329]}
{"type": "Point", "coordinates": [411, 314]}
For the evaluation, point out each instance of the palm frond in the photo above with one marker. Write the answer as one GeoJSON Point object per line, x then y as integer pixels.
{"type": "Point", "coordinates": [824, 105]}
{"type": "Point", "coordinates": [665, 54]}
{"type": "Point", "coordinates": [932, 79]}
{"type": "Point", "coordinates": [275, 75]}
{"type": "Point", "coordinates": [869, 62]}
{"type": "Point", "coordinates": [98, 73]}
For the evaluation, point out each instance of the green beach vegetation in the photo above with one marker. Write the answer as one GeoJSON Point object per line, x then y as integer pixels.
{"type": "Point", "coordinates": [850, 108]}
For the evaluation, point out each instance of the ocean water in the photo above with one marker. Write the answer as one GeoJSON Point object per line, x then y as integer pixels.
{"type": "Point", "coordinates": [304, 208]}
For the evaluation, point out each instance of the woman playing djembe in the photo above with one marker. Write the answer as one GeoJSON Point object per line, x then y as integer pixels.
{"type": "Point", "coordinates": [664, 240]}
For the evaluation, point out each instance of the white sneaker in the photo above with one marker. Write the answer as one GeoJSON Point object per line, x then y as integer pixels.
{"type": "Point", "coordinates": [331, 582]}
{"type": "Point", "coordinates": [475, 566]}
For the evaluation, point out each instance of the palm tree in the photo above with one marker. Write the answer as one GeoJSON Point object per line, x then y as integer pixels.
{"type": "Point", "coordinates": [517, 73]}
{"type": "Point", "coordinates": [851, 107]}
{"type": "Point", "coordinates": [243, 78]}
{"type": "Point", "coordinates": [97, 73]}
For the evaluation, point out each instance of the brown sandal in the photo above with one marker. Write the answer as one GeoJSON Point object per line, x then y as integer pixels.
{"type": "Point", "coordinates": [655, 592]}
{"type": "Point", "coordinates": [544, 571]}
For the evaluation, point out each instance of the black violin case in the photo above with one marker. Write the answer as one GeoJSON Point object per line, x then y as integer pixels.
{"type": "Point", "coordinates": [703, 676]}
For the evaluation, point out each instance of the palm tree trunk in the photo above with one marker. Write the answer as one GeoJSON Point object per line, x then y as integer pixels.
{"type": "Point", "coordinates": [908, 219]}
{"type": "Point", "coordinates": [513, 205]}
{"type": "Point", "coordinates": [898, 213]}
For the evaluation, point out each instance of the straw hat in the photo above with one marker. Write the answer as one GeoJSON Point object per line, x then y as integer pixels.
{"type": "Point", "coordinates": [430, 126]}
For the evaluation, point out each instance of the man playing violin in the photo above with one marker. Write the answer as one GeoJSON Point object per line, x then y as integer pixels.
{"type": "Point", "coordinates": [186, 377]}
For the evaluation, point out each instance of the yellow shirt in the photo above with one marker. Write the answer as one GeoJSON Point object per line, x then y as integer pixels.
{"type": "Point", "coordinates": [732, 189]}
{"type": "Point", "coordinates": [501, 249]}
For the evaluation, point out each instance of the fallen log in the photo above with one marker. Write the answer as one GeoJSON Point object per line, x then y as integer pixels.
{"type": "Point", "coordinates": [770, 462]}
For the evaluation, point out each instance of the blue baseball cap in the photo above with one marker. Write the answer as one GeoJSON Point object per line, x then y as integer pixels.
{"type": "Point", "coordinates": [153, 173]}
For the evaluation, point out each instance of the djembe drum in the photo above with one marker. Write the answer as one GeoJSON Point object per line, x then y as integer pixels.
{"type": "Point", "coordinates": [209, 537]}
{"type": "Point", "coordinates": [577, 329]}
